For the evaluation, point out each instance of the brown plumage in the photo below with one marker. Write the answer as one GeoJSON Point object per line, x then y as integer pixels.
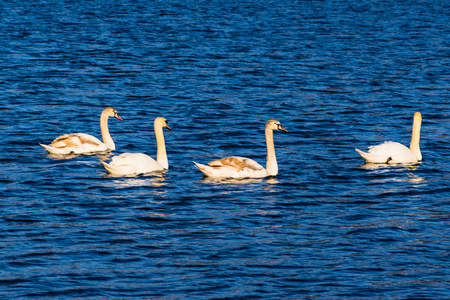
{"type": "Point", "coordinates": [72, 140]}
{"type": "Point", "coordinates": [242, 167]}
{"type": "Point", "coordinates": [234, 162]}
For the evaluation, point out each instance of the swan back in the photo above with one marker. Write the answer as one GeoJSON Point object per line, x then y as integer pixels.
{"type": "Point", "coordinates": [75, 143]}
{"type": "Point", "coordinates": [388, 153]}
{"type": "Point", "coordinates": [232, 167]}
{"type": "Point", "coordinates": [132, 163]}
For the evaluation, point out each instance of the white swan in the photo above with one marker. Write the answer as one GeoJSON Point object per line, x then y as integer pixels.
{"type": "Point", "coordinates": [77, 143]}
{"type": "Point", "coordinates": [241, 167]}
{"type": "Point", "coordinates": [137, 163]}
{"type": "Point", "coordinates": [393, 152]}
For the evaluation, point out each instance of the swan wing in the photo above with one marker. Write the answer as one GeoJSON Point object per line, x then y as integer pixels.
{"type": "Point", "coordinates": [388, 153]}
{"type": "Point", "coordinates": [132, 163]}
{"type": "Point", "coordinates": [233, 167]}
{"type": "Point", "coordinates": [75, 143]}
{"type": "Point", "coordinates": [237, 163]}
{"type": "Point", "coordinates": [75, 140]}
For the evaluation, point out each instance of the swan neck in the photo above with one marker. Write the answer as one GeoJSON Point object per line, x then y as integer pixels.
{"type": "Point", "coordinates": [271, 165]}
{"type": "Point", "coordinates": [106, 137]}
{"type": "Point", "coordinates": [415, 137]}
{"type": "Point", "coordinates": [161, 155]}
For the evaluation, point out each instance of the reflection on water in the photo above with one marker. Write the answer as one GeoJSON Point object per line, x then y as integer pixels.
{"type": "Point", "coordinates": [371, 166]}
{"type": "Point", "coordinates": [150, 180]}
{"type": "Point", "coordinates": [103, 156]}
{"type": "Point", "coordinates": [386, 169]}
{"type": "Point", "coordinates": [218, 74]}
{"type": "Point", "coordinates": [230, 181]}
{"type": "Point", "coordinates": [272, 180]}
{"type": "Point", "coordinates": [239, 181]}
{"type": "Point", "coordinates": [61, 156]}
{"type": "Point", "coordinates": [411, 178]}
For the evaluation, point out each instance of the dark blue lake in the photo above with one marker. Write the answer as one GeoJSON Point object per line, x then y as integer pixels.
{"type": "Point", "coordinates": [337, 74]}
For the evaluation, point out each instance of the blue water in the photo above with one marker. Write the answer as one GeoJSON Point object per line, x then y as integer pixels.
{"type": "Point", "coordinates": [336, 74]}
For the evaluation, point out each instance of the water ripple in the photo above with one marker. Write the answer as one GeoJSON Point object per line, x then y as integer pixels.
{"type": "Point", "coordinates": [338, 75]}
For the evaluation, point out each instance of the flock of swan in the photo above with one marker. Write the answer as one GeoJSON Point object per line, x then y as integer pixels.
{"type": "Point", "coordinates": [228, 167]}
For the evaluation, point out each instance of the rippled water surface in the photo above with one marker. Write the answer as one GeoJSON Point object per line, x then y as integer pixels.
{"type": "Point", "coordinates": [336, 74]}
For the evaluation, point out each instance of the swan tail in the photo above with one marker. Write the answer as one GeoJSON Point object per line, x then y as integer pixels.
{"type": "Point", "coordinates": [51, 150]}
{"type": "Point", "coordinates": [374, 158]}
{"type": "Point", "coordinates": [47, 148]}
{"type": "Point", "coordinates": [201, 167]}
{"type": "Point", "coordinates": [110, 169]}
{"type": "Point", "coordinates": [365, 155]}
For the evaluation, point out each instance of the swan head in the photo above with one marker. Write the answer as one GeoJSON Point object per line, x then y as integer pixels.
{"type": "Point", "coordinates": [275, 125]}
{"type": "Point", "coordinates": [112, 112]}
{"type": "Point", "coordinates": [162, 123]}
{"type": "Point", "coordinates": [418, 116]}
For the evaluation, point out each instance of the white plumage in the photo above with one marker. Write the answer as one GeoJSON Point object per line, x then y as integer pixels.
{"type": "Point", "coordinates": [137, 163]}
{"type": "Point", "coordinates": [78, 143]}
{"type": "Point", "coordinates": [242, 167]}
{"type": "Point", "coordinates": [132, 163]}
{"type": "Point", "coordinates": [393, 152]}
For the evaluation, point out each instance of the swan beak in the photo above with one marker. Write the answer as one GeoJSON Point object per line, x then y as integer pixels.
{"type": "Point", "coordinates": [167, 126]}
{"type": "Point", "coordinates": [118, 117]}
{"type": "Point", "coordinates": [282, 128]}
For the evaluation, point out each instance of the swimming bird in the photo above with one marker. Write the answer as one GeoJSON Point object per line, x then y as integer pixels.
{"type": "Point", "coordinates": [242, 167]}
{"type": "Point", "coordinates": [393, 152]}
{"type": "Point", "coordinates": [137, 163]}
{"type": "Point", "coordinates": [77, 143]}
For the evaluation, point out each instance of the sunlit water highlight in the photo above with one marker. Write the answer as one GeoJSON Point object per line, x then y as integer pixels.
{"type": "Point", "coordinates": [337, 74]}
